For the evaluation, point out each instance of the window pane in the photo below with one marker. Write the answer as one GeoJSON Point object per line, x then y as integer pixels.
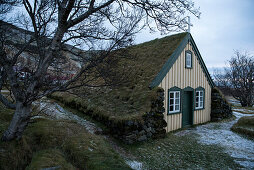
{"type": "Point", "coordinates": [201, 93]}
{"type": "Point", "coordinates": [197, 93]}
{"type": "Point", "coordinates": [177, 101]}
{"type": "Point", "coordinates": [188, 59]}
{"type": "Point", "coordinates": [177, 94]}
{"type": "Point", "coordinates": [171, 108]}
{"type": "Point", "coordinates": [171, 95]}
{"type": "Point", "coordinates": [197, 99]}
{"type": "Point", "coordinates": [177, 108]}
{"type": "Point", "coordinates": [171, 101]}
{"type": "Point", "coordinates": [201, 104]}
{"type": "Point", "coordinates": [201, 98]}
{"type": "Point", "coordinates": [196, 104]}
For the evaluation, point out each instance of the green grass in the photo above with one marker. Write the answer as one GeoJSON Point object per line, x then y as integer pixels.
{"type": "Point", "coordinates": [49, 158]}
{"type": "Point", "coordinates": [72, 145]}
{"type": "Point", "coordinates": [182, 152]}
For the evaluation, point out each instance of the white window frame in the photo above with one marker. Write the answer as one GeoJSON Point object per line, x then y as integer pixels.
{"type": "Point", "coordinates": [174, 102]}
{"type": "Point", "coordinates": [188, 58]}
{"type": "Point", "coordinates": [199, 104]}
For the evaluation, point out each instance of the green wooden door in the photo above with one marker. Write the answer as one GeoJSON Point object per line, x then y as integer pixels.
{"type": "Point", "coordinates": [187, 116]}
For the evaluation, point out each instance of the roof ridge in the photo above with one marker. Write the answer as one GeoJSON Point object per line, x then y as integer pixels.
{"type": "Point", "coordinates": [174, 56]}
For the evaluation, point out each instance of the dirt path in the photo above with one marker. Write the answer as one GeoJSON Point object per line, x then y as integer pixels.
{"type": "Point", "coordinates": [238, 147]}
{"type": "Point", "coordinates": [55, 111]}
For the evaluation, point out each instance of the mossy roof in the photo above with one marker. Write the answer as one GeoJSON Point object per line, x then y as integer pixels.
{"type": "Point", "coordinates": [134, 98]}
{"type": "Point", "coordinates": [150, 57]}
{"type": "Point", "coordinates": [148, 64]}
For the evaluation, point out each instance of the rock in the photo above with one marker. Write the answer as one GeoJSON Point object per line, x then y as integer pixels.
{"type": "Point", "coordinates": [99, 131]}
{"type": "Point", "coordinates": [220, 107]}
{"type": "Point", "coordinates": [152, 130]}
{"type": "Point", "coordinates": [142, 138]}
{"type": "Point", "coordinates": [129, 122]}
{"type": "Point", "coordinates": [149, 134]}
{"type": "Point", "coordinates": [148, 129]}
{"type": "Point", "coordinates": [142, 132]}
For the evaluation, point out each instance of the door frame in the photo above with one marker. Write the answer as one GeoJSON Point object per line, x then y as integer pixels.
{"type": "Point", "coordinates": [188, 89]}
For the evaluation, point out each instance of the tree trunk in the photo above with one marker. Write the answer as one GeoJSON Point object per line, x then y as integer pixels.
{"type": "Point", "coordinates": [18, 123]}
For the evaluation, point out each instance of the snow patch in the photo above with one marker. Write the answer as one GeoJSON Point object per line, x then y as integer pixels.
{"type": "Point", "coordinates": [218, 133]}
{"type": "Point", "coordinates": [134, 165]}
{"type": "Point", "coordinates": [57, 112]}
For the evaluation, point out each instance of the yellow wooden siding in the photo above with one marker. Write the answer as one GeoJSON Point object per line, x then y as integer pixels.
{"type": "Point", "coordinates": [181, 77]}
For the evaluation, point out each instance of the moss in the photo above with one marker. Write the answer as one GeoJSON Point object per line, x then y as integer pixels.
{"type": "Point", "coordinates": [50, 158]}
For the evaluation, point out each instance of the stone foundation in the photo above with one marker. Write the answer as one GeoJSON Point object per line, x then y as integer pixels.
{"type": "Point", "coordinates": [153, 125]}
{"type": "Point", "coordinates": [220, 108]}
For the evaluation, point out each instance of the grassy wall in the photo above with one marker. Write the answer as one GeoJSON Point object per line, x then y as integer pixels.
{"type": "Point", "coordinates": [128, 127]}
{"type": "Point", "coordinates": [245, 125]}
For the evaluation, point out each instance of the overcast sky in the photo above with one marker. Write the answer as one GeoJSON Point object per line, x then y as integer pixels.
{"type": "Point", "coordinates": [224, 26]}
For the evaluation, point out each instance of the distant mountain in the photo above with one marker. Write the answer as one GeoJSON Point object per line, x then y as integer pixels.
{"type": "Point", "coordinates": [71, 58]}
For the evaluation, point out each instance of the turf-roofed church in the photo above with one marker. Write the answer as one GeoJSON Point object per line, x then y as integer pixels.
{"type": "Point", "coordinates": [167, 87]}
{"type": "Point", "coordinates": [187, 84]}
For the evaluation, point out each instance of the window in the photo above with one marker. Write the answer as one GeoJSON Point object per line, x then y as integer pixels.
{"type": "Point", "coordinates": [174, 101]}
{"type": "Point", "coordinates": [199, 99]}
{"type": "Point", "coordinates": [188, 59]}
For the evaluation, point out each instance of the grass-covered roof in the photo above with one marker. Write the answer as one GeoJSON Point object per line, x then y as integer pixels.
{"type": "Point", "coordinates": [134, 97]}
{"type": "Point", "coordinates": [151, 56]}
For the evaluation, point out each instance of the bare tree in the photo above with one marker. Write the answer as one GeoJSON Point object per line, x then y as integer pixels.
{"type": "Point", "coordinates": [99, 26]}
{"type": "Point", "coordinates": [238, 79]}
{"type": "Point", "coordinates": [7, 5]}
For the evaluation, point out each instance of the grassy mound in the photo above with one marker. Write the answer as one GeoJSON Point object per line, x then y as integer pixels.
{"type": "Point", "coordinates": [245, 125]}
{"type": "Point", "coordinates": [63, 144]}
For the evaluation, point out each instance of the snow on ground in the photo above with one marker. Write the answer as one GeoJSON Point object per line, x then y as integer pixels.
{"type": "Point", "coordinates": [234, 101]}
{"type": "Point", "coordinates": [134, 165]}
{"type": "Point", "coordinates": [244, 110]}
{"type": "Point", "coordinates": [219, 133]}
{"type": "Point", "coordinates": [55, 111]}
{"type": "Point", "coordinates": [4, 91]}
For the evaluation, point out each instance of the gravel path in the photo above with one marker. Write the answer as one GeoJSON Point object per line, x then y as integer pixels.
{"type": "Point", "coordinates": [238, 147]}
